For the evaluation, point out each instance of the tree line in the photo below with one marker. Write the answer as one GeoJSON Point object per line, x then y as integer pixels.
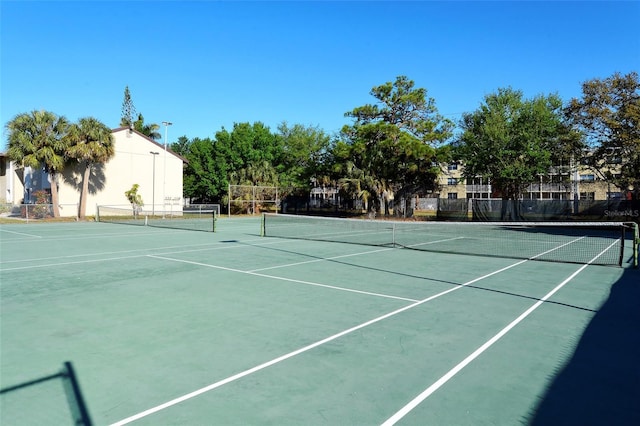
{"type": "Point", "coordinates": [394, 148]}
{"type": "Point", "coordinates": [397, 147]}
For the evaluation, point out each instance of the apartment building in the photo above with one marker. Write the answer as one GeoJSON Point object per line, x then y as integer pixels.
{"type": "Point", "coordinates": [560, 183]}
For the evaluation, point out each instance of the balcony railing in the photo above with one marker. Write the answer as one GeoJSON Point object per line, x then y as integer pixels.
{"type": "Point", "coordinates": [478, 188]}
{"type": "Point", "coordinates": [549, 187]}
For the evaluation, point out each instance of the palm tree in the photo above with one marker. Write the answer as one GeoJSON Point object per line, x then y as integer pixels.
{"type": "Point", "coordinates": [260, 179]}
{"type": "Point", "coordinates": [36, 139]}
{"type": "Point", "coordinates": [357, 183]}
{"type": "Point", "coordinates": [91, 142]}
{"type": "Point", "coordinates": [149, 130]}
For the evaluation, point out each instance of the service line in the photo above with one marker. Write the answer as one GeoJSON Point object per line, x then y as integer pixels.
{"type": "Point", "coordinates": [277, 360]}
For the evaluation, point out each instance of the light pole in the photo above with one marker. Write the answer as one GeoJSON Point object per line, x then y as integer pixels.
{"type": "Point", "coordinates": [164, 172]}
{"type": "Point", "coordinates": [153, 184]}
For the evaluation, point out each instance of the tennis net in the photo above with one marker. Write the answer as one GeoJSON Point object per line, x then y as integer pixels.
{"type": "Point", "coordinates": [192, 220]}
{"type": "Point", "coordinates": [602, 243]}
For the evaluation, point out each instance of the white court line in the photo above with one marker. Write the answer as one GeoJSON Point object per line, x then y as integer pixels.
{"type": "Point", "coordinates": [381, 250]}
{"type": "Point", "coordinates": [207, 246]}
{"type": "Point", "coordinates": [455, 370]}
{"type": "Point", "coordinates": [305, 262]}
{"type": "Point", "coordinates": [80, 237]}
{"type": "Point", "coordinates": [300, 351]}
{"type": "Point", "coordinates": [104, 253]}
{"type": "Point", "coordinates": [224, 268]}
{"type": "Point", "coordinates": [219, 245]}
{"type": "Point", "coordinates": [108, 259]}
{"type": "Point", "coordinates": [436, 242]}
{"type": "Point", "coordinates": [79, 262]}
{"type": "Point", "coordinates": [306, 348]}
{"type": "Point", "coordinates": [334, 237]}
{"type": "Point", "coordinates": [353, 254]}
{"type": "Point", "coordinates": [20, 233]}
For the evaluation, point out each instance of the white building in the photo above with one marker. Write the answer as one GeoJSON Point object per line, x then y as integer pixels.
{"type": "Point", "coordinates": [137, 160]}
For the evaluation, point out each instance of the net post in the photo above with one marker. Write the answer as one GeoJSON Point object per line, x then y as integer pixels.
{"type": "Point", "coordinates": [74, 396]}
{"type": "Point", "coordinates": [636, 242]}
{"type": "Point", "coordinates": [262, 225]}
{"type": "Point", "coordinates": [213, 219]}
{"type": "Point", "coordinates": [393, 235]}
{"type": "Point", "coordinates": [623, 233]}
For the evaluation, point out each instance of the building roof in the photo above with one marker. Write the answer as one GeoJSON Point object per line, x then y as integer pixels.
{"type": "Point", "coordinates": [161, 146]}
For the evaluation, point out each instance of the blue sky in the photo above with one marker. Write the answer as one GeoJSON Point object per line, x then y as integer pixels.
{"type": "Point", "coordinates": [204, 65]}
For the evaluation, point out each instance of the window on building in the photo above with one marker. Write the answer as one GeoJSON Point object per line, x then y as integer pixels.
{"type": "Point", "coordinates": [614, 195]}
{"type": "Point", "coordinates": [452, 195]}
{"type": "Point", "coordinates": [452, 166]}
{"type": "Point", "coordinates": [587, 195]}
{"type": "Point", "coordinates": [587, 178]}
{"type": "Point", "coordinates": [474, 195]}
{"type": "Point", "coordinates": [476, 181]}
{"type": "Point", "coordinates": [452, 181]}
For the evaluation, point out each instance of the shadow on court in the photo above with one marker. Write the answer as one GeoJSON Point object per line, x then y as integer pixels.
{"type": "Point", "coordinates": [601, 382]}
{"type": "Point", "coordinates": [396, 272]}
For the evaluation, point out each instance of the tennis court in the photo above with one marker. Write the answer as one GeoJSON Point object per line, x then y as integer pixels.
{"type": "Point", "coordinates": [167, 327]}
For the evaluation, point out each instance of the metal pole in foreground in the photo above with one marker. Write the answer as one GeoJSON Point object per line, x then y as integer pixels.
{"type": "Point", "coordinates": [164, 172]}
{"type": "Point", "coordinates": [153, 184]}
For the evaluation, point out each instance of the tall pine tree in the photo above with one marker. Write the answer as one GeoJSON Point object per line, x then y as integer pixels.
{"type": "Point", "coordinates": [128, 110]}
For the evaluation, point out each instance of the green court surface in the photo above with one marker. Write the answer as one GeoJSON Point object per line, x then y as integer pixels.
{"type": "Point", "coordinates": [171, 327]}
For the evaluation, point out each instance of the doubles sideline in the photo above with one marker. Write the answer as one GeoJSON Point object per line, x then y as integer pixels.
{"type": "Point", "coordinates": [455, 370]}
